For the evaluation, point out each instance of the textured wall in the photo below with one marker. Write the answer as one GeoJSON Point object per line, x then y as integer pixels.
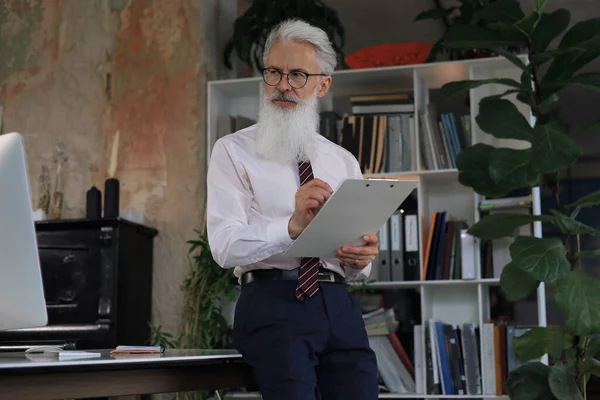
{"type": "Point", "coordinates": [115, 74]}
{"type": "Point", "coordinates": [52, 88]}
{"type": "Point", "coordinates": [157, 108]}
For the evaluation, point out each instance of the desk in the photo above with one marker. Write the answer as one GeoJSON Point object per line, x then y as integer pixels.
{"type": "Point", "coordinates": [42, 377]}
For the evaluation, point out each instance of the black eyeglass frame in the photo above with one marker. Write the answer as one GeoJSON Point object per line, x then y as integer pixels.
{"type": "Point", "coordinates": [281, 74]}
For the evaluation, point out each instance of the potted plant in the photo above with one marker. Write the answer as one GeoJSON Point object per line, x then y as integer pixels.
{"type": "Point", "coordinates": [492, 171]}
{"type": "Point", "coordinates": [463, 12]}
{"type": "Point", "coordinates": [208, 290]}
{"type": "Point", "coordinates": [251, 29]}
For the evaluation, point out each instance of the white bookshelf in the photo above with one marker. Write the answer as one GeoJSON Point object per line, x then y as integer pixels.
{"type": "Point", "coordinates": [256, 396]}
{"type": "Point", "coordinates": [452, 301]}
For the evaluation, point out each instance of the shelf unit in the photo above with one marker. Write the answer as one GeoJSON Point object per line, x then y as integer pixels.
{"type": "Point", "coordinates": [257, 396]}
{"type": "Point", "coordinates": [452, 301]}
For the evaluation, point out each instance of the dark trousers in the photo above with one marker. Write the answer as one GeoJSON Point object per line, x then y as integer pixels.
{"type": "Point", "coordinates": [314, 349]}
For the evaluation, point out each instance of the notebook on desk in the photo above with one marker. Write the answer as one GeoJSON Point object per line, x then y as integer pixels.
{"type": "Point", "coordinates": [138, 350]}
{"type": "Point", "coordinates": [60, 353]}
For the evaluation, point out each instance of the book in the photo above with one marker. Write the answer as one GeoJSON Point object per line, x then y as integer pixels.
{"type": "Point", "coordinates": [138, 350]}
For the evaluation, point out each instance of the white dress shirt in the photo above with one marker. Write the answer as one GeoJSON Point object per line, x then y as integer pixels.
{"type": "Point", "coordinates": [251, 200]}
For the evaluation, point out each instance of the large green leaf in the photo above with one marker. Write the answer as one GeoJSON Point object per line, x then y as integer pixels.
{"type": "Point", "coordinates": [529, 382]}
{"type": "Point", "coordinates": [545, 56]}
{"type": "Point", "coordinates": [593, 346]}
{"type": "Point", "coordinates": [473, 167]}
{"type": "Point", "coordinates": [538, 341]}
{"type": "Point", "coordinates": [584, 35]}
{"type": "Point", "coordinates": [588, 254]}
{"type": "Point", "coordinates": [510, 168]}
{"type": "Point", "coordinates": [589, 200]}
{"type": "Point", "coordinates": [434, 13]}
{"type": "Point", "coordinates": [553, 151]}
{"type": "Point", "coordinates": [517, 284]}
{"type": "Point", "coordinates": [591, 366]}
{"type": "Point", "coordinates": [571, 226]}
{"type": "Point", "coordinates": [528, 24]}
{"type": "Point", "coordinates": [540, 5]}
{"type": "Point", "coordinates": [459, 87]}
{"type": "Point", "coordinates": [496, 226]}
{"type": "Point", "coordinates": [510, 56]}
{"type": "Point", "coordinates": [590, 80]}
{"type": "Point", "coordinates": [549, 27]}
{"type": "Point", "coordinates": [503, 94]}
{"type": "Point", "coordinates": [577, 297]}
{"type": "Point", "coordinates": [502, 119]}
{"type": "Point", "coordinates": [543, 258]}
{"type": "Point", "coordinates": [478, 37]}
{"type": "Point", "coordinates": [562, 383]}
{"type": "Point", "coordinates": [508, 11]}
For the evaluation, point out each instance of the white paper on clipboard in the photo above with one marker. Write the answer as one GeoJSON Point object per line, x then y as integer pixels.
{"type": "Point", "coordinates": [357, 207]}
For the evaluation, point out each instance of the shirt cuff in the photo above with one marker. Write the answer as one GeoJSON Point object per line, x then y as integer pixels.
{"type": "Point", "coordinates": [357, 274]}
{"type": "Point", "coordinates": [277, 232]}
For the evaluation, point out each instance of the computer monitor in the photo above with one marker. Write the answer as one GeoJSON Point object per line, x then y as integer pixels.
{"type": "Point", "coordinates": [22, 300]}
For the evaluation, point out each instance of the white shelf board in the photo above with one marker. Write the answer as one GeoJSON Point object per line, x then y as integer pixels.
{"type": "Point", "coordinates": [417, 284]}
{"type": "Point", "coordinates": [434, 173]}
{"type": "Point", "coordinates": [439, 396]}
{"type": "Point", "coordinates": [385, 396]}
{"type": "Point", "coordinates": [394, 78]}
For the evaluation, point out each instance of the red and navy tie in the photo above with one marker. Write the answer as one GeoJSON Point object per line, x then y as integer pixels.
{"type": "Point", "coordinates": [308, 283]}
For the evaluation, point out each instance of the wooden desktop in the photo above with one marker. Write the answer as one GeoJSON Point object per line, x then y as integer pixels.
{"type": "Point", "coordinates": [24, 376]}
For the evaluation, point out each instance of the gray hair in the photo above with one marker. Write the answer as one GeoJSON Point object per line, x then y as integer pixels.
{"type": "Point", "coordinates": [300, 31]}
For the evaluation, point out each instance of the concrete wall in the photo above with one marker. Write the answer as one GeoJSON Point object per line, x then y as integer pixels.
{"type": "Point", "coordinates": [132, 72]}
{"type": "Point", "coordinates": [130, 75]}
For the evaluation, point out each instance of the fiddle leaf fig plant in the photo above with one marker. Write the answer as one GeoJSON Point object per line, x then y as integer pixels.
{"type": "Point", "coordinates": [547, 150]}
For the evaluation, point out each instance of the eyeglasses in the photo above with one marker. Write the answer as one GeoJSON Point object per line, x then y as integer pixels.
{"type": "Point", "coordinates": [296, 79]}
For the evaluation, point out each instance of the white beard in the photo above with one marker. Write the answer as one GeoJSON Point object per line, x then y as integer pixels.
{"type": "Point", "coordinates": [287, 135]}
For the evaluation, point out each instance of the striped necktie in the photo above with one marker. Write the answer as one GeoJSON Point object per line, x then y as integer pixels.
{"type": "Point", "coordinates": [308, 283]}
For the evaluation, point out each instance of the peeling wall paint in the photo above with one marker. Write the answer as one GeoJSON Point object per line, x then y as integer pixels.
{"type": "Point", "coordinates": [78, 72]}
{"type": "Point", "coordinates": [51, 89]}
{"type": "Point", "coordinates": [20, 24]}
{"type": "Point", "coordinates": [155, 108]}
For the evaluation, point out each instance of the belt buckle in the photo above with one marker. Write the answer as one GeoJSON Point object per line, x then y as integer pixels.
{"type": "Point", "coordinates": [326, 276]}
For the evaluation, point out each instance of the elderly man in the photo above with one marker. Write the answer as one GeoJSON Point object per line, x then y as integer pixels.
{"type": "Point", "coordinates": [295, 323]}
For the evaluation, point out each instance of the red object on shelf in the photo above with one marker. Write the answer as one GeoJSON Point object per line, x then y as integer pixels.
{"type": "Point", "coordinates": [387, 55]}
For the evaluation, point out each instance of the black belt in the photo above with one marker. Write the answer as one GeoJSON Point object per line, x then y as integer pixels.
{"type": "Point", "coordinates": [264, 275]}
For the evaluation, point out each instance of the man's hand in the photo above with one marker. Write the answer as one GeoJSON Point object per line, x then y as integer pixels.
{"type": "Point", "coordinates": [309, 199]}
{"type": "Point", "coordinates": [358, 257]}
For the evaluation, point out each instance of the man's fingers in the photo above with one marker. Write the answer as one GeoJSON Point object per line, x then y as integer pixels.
{"type": "Point", "coordinates": [370, 238]}
{"type": "Point", "coordinates": [321, 196]}
{"type": "Point", "coordinates": [312, 203]}
{"type": "Point", "coordinates": [359, 250]}
{"type": "Point", "coordinates": [316, 182]}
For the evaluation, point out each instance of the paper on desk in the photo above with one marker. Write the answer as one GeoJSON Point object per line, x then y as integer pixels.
{"type": "Point", "coordinates": [68, 354]}
{"type": "Point", "coordinates": [72, 355]}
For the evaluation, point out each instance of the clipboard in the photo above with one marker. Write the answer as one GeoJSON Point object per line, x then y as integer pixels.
{"type": "Point", "coordinates": [357, 207]}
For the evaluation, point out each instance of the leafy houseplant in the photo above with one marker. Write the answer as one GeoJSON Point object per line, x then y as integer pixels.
{"type": "Point", "coordinates": [251, 29]}
{"type": "Point", "coordinates": [208, 289]}
{"type": "Point", "coordinates": [550, 150]}
{"type": "Point", "coordinates": [463, 12]}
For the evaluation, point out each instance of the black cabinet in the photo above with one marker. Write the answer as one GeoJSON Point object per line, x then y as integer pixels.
{"type": "Point", "coordinates": [97, 279]}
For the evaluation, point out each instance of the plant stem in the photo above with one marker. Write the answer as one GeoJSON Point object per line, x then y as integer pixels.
{"type": "Point", "coordinates": [579, 249]}
{"type": "Point", "coordinates": [537, 91]}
